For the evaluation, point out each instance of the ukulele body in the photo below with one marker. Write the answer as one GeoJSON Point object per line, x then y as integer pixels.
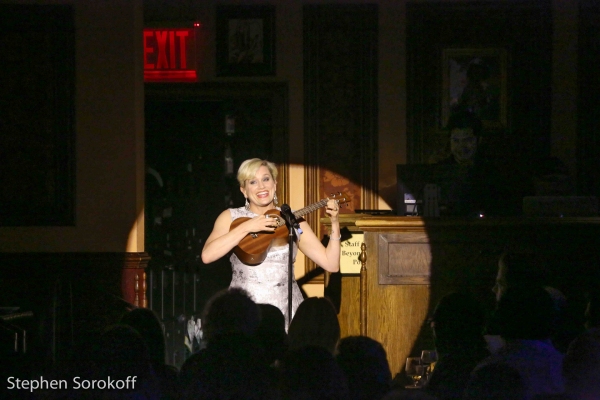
{"type": "Point", "coordinates": [253, 248]}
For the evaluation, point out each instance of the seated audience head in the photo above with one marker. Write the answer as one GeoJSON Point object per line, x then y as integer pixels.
{"type": "Point", "coordinates": [147, 323]}
{"type": "Point", "coordinates": [271, 332]}
{"type": "Point", "coordinates": [230, 311]}
{"type": "Point", "coordinates": [121, 352]}
{"type": "Point", "coordinates": [581, 366]}
{"type": "Point", "coordinates": [528, 269]}
{"type": "Point", "coordinates": [365, 364]}
{"type": "Point", "coordinates": [232, 366]}
{"type": "Point", "coordinates": [465, 131]}
{"type": "Point", "coordinates": [457, 322]}
{"type": "Point", "coordinates": [519, 269]}
{"type": "Point", "coordinates": [311, 372]}
{"type": "Point", "coordinates": [315, 323]}
{"type": "Point", "coordinates": [496, 381]}
{"type": "Point", "coordinates": [525, 312]}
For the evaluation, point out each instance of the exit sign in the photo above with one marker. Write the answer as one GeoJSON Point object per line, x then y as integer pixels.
{"type": "Point", "coordinates": [170, 55]}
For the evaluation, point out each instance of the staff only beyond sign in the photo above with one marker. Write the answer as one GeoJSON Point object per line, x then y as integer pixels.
{"type": "Point", "coordinates": [170, 55]}
{"type": "Point", "coordinates": [349, 262]}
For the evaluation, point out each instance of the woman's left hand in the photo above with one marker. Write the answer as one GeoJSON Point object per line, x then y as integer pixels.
{"type": "Point", "coordinates": [333, 209]}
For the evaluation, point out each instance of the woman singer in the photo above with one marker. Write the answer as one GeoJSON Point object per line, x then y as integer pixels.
{"type": "Point", "coordinates": [267, 281]}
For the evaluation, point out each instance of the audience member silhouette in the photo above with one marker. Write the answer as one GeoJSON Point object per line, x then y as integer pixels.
{"type": "Point", "coordinates": [122, 352]}
{"type": "Point", "coordinates": [315, 323]}
{"type": "Point", "coordinates": [271, 333]}
{"type": "Point", "coordinates": [147, 323]}
{"type": "Point", "coordinates": [497, 381]}
{"type": "Point", "coordinates": [457, 325]}
{"type": "Point", "coordinates": [581, 366]}
{"type": "Point", "coordinates": [230, 311]}
{"type": "Point", "coordinates": [528, 269]}
{"type": "Point", "coordinates": [525, 318]}
{"type": "Point", "coordinates": [233, 364]}
{"type": "Point", "coordinates": [311, 372]}
{"type": "Point", "coordinates": [519, 269]}
{"type": "Point", "coordinates": [365, 364]}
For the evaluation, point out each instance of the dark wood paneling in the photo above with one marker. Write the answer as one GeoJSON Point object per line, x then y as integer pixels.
{"type": "Point", "coordinates": [404, 259]}
{"type": "Point", "coordinates": [261, 111]}
{"type": "Point", "coordinates": [588, 122]}
{"type": "Point", "coordinates": [340, 103]}
{"type": "Point", "coordinates": [37, 92]}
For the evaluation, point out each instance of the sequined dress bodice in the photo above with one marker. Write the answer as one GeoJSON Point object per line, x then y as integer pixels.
{"type": "Point", "coordinates": [268, 281]}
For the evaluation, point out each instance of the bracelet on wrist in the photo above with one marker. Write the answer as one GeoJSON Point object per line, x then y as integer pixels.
{"type": "Point", "coordinates": [337, 238]}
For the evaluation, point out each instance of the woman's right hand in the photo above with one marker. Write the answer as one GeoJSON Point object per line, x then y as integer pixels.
{"type": "Point", "coordinates": [260, 223]}
{"type": "Point", "coordinates": [223, 237]}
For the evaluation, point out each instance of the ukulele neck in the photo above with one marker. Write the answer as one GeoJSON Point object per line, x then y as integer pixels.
{"type": "Point", "coordinates": [308, 209]}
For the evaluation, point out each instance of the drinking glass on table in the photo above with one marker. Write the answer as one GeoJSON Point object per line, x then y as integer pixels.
{"type": "Point", "coordinates": [428, 359]}
{"type": "Point", "coordinates": [415, 370]}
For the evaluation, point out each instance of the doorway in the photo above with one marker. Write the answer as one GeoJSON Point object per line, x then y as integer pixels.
{"type": "Point", "coordinates": [196, 137]}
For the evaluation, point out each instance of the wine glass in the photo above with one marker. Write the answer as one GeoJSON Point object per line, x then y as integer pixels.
{"type": "Point", "coordinates": [415, 370]}
{"type": "Point", "coordinates": [428, 358]}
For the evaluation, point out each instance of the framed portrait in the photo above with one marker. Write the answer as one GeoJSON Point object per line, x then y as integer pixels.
{"type": "Point", "coordinates": [245, 40]}
{"type": "Point", "coordinates": [475, 80]}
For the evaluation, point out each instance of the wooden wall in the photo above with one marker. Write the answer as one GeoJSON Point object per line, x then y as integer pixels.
{"type": "Point", "coordinates": [340, 105]}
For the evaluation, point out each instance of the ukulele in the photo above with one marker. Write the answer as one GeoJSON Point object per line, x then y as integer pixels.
{"type": "Point", "coordinates": [253, 248]}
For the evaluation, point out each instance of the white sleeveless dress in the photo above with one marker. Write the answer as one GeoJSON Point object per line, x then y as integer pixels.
{"type": "Point", "coordinates": [268, 281]}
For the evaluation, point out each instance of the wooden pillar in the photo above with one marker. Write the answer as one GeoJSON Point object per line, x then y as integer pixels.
{"type": "Point", "coordinates": [133, 279]}
{"type": "Point", "coordinates": [363, 289]}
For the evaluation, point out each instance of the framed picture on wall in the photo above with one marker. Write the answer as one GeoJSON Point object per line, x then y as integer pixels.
{"type": "Point", "coordinates": [475, 80]}
{"type": "Point", "coordinates": [245, 40]}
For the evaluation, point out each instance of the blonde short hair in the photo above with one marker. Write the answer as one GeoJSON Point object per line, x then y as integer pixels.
{"type": "Point", "coordinates": [248, 169]}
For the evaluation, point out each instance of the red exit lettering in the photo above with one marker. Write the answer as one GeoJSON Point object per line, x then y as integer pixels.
{"type": "Point", "coordinates": [167, 49]}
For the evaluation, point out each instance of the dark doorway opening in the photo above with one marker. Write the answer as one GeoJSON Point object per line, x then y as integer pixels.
{"type": "Point", "coordinates": [196, 138]}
